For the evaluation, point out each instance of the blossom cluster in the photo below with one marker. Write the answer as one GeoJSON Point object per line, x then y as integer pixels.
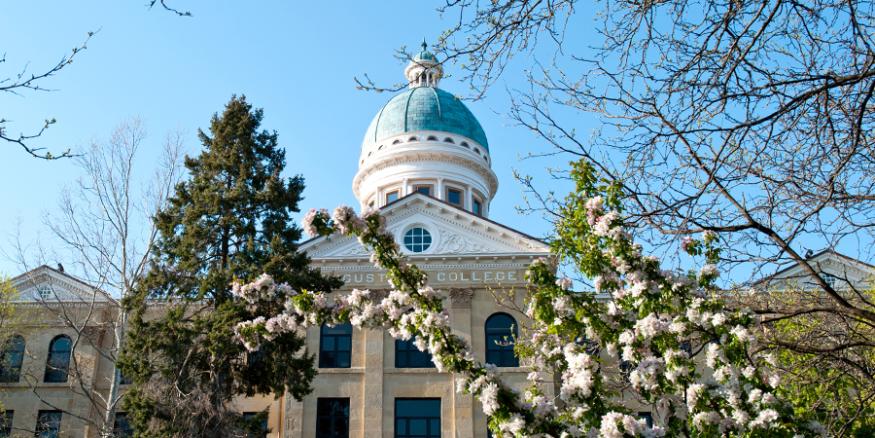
{"type": "Point", "coordinates": [658, 339]}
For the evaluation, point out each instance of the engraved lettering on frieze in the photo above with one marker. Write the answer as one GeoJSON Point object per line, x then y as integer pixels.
{"type": "Point", "coordinates": [435, 277]}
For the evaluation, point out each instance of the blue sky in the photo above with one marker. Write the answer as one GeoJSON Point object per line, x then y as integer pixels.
{"type": "Point", "coordinates": [297, 60]}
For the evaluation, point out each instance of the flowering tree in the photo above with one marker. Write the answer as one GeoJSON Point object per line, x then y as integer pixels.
{"type": "Point", "coordinates": [663, 340]}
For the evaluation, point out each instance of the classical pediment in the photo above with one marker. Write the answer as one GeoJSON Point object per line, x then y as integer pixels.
{"type": "Point", "coordinates": [452, 231]}
{"type": "Point", "coordinates": [51, 285]}
{"type": "Point", "coordinates": [835, 268]}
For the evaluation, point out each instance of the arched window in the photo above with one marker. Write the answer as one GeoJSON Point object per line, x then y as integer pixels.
{"type": "Point", "coordinates": [10, 362]}
{"type": "Point", "coordinates": [501, 333]}
{"type": "Point", "coordinates": [58, 363]}
{"type": "Point", "coordinates": [335, 346]}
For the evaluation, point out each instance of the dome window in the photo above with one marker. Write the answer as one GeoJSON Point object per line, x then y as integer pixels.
{"type": "Point", "coordinates": [464, 143]}
{"type": "Point", "coordinates": [411, 139]}
{"type": "Point", "coordinates": [449, 140]}
{"type": "Point", "coordinates": [477, 151]}
{"type": "Point", "coordinates": [425, 189]}
{"type": "Point", "coordinates": [396, 142]}
{"type": "Point", "coordinates": [477, 207]}
{"type": "Point", "coordinates": [417, 239]}
{"type": "Point", "coordinates": [380, 148]}
{"type": "Point", "coordinates": [432, 138]}
{"type": "Point", "coordinates": [454, 196]}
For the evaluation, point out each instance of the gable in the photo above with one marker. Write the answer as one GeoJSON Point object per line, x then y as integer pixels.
{"type": "Point", "coordinates": [453, 232]}
{"type": "Point", "coordinates": [836, 268]}
{"type": "Point", "coordinates": [49, 284]}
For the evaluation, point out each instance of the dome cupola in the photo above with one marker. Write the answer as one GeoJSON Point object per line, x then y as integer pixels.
{"type": "Point", "coordinates": [425, 140]}
{"type": "Point", "coordinates": [423, 69]}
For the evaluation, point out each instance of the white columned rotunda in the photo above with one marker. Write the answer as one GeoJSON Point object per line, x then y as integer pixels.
{"type": "Point", "coordinates": [425, 140]}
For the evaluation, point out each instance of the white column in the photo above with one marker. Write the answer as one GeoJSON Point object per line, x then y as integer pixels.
{"type": "Point", "coordinates": [469, 199]}
{"type": "Point", "coordinates": [440, 190]}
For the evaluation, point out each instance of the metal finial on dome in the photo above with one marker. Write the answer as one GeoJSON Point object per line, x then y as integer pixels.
{"type": "Point", "coordinates": [424, 45]}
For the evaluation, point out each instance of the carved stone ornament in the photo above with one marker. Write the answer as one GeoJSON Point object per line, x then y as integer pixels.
{"type": "Point", "coordinates": [453, 243]}
{"type": "Point", "coordinates": [461, 297]}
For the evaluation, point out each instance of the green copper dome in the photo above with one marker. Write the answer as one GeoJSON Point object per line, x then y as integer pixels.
{"type": "Point", "coordinates": [425, 109]}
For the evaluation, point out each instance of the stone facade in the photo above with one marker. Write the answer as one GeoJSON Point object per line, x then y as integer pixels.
{"type": "Point", "coordinates": [50, 304]}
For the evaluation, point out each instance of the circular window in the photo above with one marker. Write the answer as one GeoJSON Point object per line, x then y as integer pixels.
{"type": "Point", "coordinates": [417, 239]}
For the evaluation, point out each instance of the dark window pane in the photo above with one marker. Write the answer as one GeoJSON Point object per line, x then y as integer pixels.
{"type": "Point", "coordinates": [58, 363]}
{"type": "Point", "coordinates": [477, 208]}
{"type": "Point", "coordinates": [48, 424]}
{"type": "Point", "coordinates": [454, 196]}
{"type": "Point", "coordinates": [408, 356]}
{"type": "Point", "coordinates": [400, 426]}
{"type": "Point", "coordinates": [646, 416]}
{"type": "Point", "coordinates": [391, 196]}
{"type": "Point", "coordinates": [417, 418]}
{"type": "Point", "coordinates": [425, 190]}
{"type": "Point", "coordinates": [122, 426]}
{"type": "Point", "coordinates": [6, 425]}
{"type": "Point", "coordinates": [10, 362]}
{"type": "Point", "coordinates": [501, 331]}
{"type": "Point", "coordinates": [332, 418]}
{"type": "Point", "coordinates": [335, 346]}
{"type": "Point", "coordinates": [262, 424]}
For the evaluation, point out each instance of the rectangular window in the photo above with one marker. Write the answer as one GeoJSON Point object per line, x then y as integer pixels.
{"type": "Point", "coordinates": [48, 424]}
{"type": "Point", "coordinates": [392, 196]}
{"type": "Point", "coordinates": [6, 425]}
{"type": "Point", "coordinates": [123, 379]}
{"type": "Point", "coordinates": [477, 207]}
{"type": "Point", "coordinates": [335, 346]}
{"type": "Point", "coordinates": [121, 427]}
{"type": "Point", "coordinates": [425, 190]}
{"type": "Point", "coordinates": [262, 423]}
{"type": "Point", "coordinates": [408, 356]}
{"type": "Point", "coordinates": [647, 417]}
{"type": "Point", "coordinates": [454, 196]}
{"type": "Point", "coordinates": [417, 418]}
{"type": "Point", "coordinates": [332, 418]}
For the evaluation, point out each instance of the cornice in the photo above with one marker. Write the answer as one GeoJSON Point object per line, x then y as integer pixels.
{"type": "Point", "coordinates": [420, 156]}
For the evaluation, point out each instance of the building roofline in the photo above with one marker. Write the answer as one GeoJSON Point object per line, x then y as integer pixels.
{"type": "Point", "coordinates": [812, 257]}
{"type": "Point", "coordinates": [398, 201]}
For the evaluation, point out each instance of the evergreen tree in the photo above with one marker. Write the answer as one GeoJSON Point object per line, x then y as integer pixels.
{"type": "Point", "coordinates": [230, 221]}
